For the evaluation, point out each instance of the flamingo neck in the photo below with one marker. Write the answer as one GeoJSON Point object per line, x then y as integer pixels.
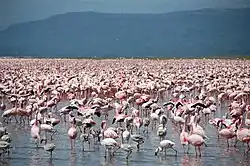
{"type": "Point", "coordinates": [104, 127]}
{"type": "Point", "coordinates": [191, 130]}
{"type": "Point", "coordinates": [240, 123]}
{"type": "Point", "coordinates": [184, 126]}
{"type": "Point", "coordinates": [195, 120]}
{"type": "Point", "coordinates": [73, 125]}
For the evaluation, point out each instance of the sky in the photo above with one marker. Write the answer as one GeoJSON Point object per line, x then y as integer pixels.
{"type": "Point", "coordinates": [16, 11]}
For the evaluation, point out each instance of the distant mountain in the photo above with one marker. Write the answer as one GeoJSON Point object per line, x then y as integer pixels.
{"type": "Point", "coordinates": [207, 32]}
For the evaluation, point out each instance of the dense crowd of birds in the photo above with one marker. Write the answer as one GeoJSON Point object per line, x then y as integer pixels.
{"type": "Point", "coordinates": [116, 103]}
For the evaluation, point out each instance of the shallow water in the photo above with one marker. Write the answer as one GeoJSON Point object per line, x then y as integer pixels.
{"type": "Point", "coordinates": [24, 151]}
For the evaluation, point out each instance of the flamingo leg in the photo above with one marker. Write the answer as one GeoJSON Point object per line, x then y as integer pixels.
{"type": "Point", "coordinates": [105, 154]}
{"type": "Point", "coordinates": [218, 137]}
{"type": "Point", "coordinates": [174, 150]}
{"type": "Point", "coordinates": [236, 141]}
{"type": "Point", "coordinates": [115, 150]}
{"type": "Point", "coordinates": [45, 136]}
{"type": "Point", "coordinates": [183, 147]}
{"type": "Point", "coordinates": [37, 142]}
{"type": "Point", "coordinates": [227, 143]}
{"type": "Point", "coordinates": [71, 146]}
{"type": "Point", "coordinates": [199, 148]}
{"type": "Point", "coordinates": [80, 129]}
{"type": "Point", "coordinates": [74, 142]}
{"type": "Point", "coordinates": [195, 150]}
{"type": "Point", "coordinates": [16, 119]}
{"type": "Point", "coordinates": [65, 118]}
{"type": "Point", "coordinates": [188, 149]}
{"type": "Point", "coordinates": [248, 149]}
{"type": "Point", "coordinates": [20, 118]}
{"type": "Point", "coordinates": [83, 146]}
{"type": "Point", "coordinates": [128, 154]}
{"type": "Point", "coordinates": [138, 146]}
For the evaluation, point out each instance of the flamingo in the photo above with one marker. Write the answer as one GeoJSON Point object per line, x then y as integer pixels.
{"type": "Point", "coordinates": [146, 123]}
{"type": "Point", "coordinates": [138, 139]}
{"type": "Point", "coordinates": [247, 119]}
{"type": "Point", "coordinates": [154, 117]}
{"type": "Point", "coordinates": [108, 143]}
{"type": "Point", "coordinates": [161, 132]}
{"type": "Point", "coordinates": [184, 134]}
{"type": "Point", "coordinates": [84, 137]}
{"type": "Point", "coordinates": [50, 148]}
{"type": "Point", "coordinates": [227, 133]}
{"type": "Point", "coordinates": [4, 146]}
{"type": "Point", "coordinates": [51, 121]}
{"type": "Point", "coordinates": [119, 118]}
{"type": "Point", "coordinates": [164, 145]}
{"type": "Point", "coordinates": [35, 131]}
{"type": "Point", "coordinates": [163, 120]}
{"type": "Point", "coordinates": [126, 135]}
{"type": "Point", "coordinates": [196, 140]}
{"type": "Point", "coordinates": [108, 132]}
{"type": "Point", "coordinates": [242, 134]}
{"type": "Point", "coordinates": [138, 123]}
{"type": "Point", "coordinates": [127, 148]}
{"type": "Point", "coordinates": [72, 133]}
{"type": "Point", "coordinates": [2, 105]}
{"type": "Point", "coordinates": [197, 129]}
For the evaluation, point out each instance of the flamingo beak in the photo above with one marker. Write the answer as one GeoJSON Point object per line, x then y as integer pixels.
{"type": "Point", "coordinates": [97, 113]}
{"type": "Point", "coordinates": [113, 121]}
{"type": "Point", "coordinates": [102, 124]}
{"type": "Point", "coordinates": [218, 123]}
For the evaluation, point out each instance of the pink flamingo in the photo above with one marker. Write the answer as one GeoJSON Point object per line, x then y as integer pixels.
{"type": "Point", "coordinates": [227, 133]}
{"type": "Point", "coordinates": [242, 134]}
{"type": "Point", "coordinates": [195, 140]}
{"type": "Point", "coordinates": [121, 95]}
{"type": "Point", "coordinates": [138, 122]}
{"type": "Point", "coordinates": [108, 132]}
{"type": "Point", "coordinates": [118, 118]}
{"type": "Point", "coordinates": [184, 134]}
{"type": "Point", "coordinates": [35, 131]}
{"type": "Point", "coordinates": [72, 133]}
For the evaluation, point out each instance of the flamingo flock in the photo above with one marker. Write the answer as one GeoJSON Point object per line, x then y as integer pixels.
{"type": "Point", "coordinates": [117, 103]}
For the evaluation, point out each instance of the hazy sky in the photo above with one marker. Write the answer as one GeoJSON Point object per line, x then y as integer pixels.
{"type": "Point", "coordinates": [15, 11]}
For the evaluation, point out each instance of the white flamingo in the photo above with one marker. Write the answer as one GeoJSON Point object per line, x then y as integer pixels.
{"type": "Point", "coordinates": [164, 145]}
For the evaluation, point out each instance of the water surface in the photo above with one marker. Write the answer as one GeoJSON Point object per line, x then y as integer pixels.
{"type": "Point", "coordinates": [25, 153]}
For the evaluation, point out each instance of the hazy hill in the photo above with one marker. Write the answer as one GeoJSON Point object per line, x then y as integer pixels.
{"type": "Point", "coordinates": [87, 34]}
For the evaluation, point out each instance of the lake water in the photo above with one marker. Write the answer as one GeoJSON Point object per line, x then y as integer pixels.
{"type": "Point", "coordinates": [25, 153]}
